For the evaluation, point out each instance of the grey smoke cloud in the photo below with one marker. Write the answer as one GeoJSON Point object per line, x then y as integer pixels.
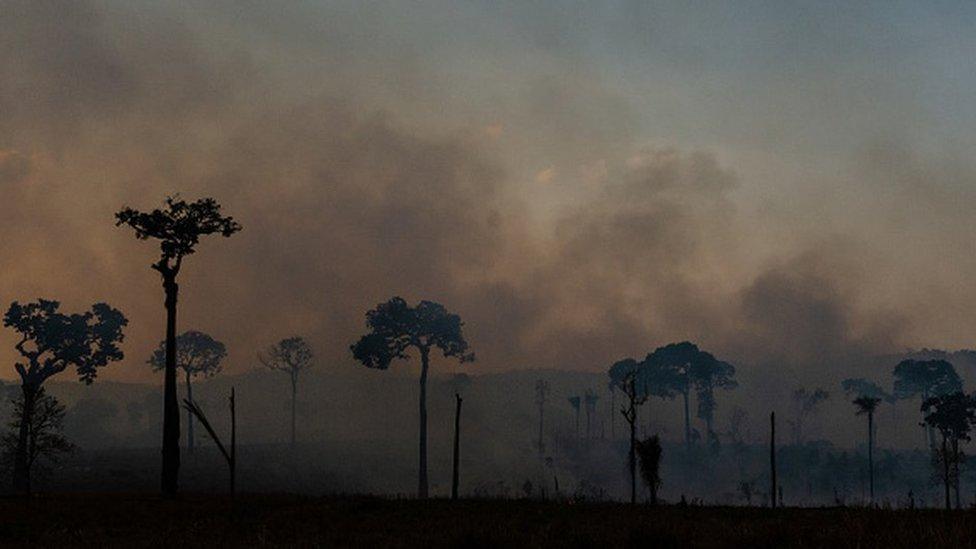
{"type": "Point", "coordinates": [360, 170]}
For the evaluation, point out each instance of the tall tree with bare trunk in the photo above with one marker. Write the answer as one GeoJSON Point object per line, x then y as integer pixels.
{"type": "Point", "coordinates": [866, 405]}
{"type": "Point", "coordinates": [953, 416]}
{"type": "Point", "coordinates": [291, 356]}
{"type": "Point", "coordinates": [925, 379]}
{"type": "Point", "coordinates": [49, 343]}
{"type": "Point", "coordinates": [198, 355]}
{"type": "Point", "coordinates": [394, 328]}
{"type": "Point", "coordinates": [628, 376]}
{"type": "Point", "coordinates": [178, 226]}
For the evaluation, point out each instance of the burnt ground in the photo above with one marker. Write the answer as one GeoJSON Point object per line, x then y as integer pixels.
{"type": "Point", "coordinates": [285, 520]}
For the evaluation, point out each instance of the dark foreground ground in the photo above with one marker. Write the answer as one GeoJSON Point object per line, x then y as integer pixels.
{"type": "Point", "coordinates": [135, 521]}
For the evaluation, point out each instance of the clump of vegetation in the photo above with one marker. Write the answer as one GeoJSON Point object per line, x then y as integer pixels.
{"type": "Point", "coordinates": [649, 456]}
{"type": "Point", "coordinates": [46, 443]}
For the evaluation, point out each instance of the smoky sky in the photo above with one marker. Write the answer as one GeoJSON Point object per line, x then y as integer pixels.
{"type": "Point", "coordinates": [786, 184]}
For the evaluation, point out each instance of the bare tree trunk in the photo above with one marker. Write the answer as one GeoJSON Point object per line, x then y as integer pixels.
{"type": "Point", "coordinates": [294, 399]}
{"type": "Point", "coordinates": [955, 471]}
{"type": "Point", "coordinates": [422, 473]}
{"type": "Point", "coordinates": [171, 410]}
{"type": "Point", "coordinates": [233, 443]}
{"type": "Point", "coordinates": [687, 421]}
{"type": "Point", "coordinates": [929, 431]}
{"type": "Point", "coordinates": [945, 471]}
{"type": "Point", "coordinates": [457, 447]}
{"type": "Point", "coordinates": [633, 460]}
{"type": "Point", "coordinates": [21, 475]}
{"type": "Point", "coordinates": [631, 416]}
{"type": "Point", "coordinates": [189, 415]}
{"type": "Point", "coordinates": [772, 458]}
{"type": "Point", "coordinates": [871, 454]}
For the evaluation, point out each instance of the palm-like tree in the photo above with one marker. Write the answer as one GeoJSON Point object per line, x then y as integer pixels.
{"type": "Point", "coordinates": [866, 405]}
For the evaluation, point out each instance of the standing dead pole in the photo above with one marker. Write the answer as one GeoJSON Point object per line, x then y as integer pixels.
{"type": "Point", "coordinates": [231, 456]}
{"type": "Point", "coordinates": [457, 447]}
{"type": "Point", "coordinates": [772, 458]}
{"type": "Point", "coordinates": [233, 443]}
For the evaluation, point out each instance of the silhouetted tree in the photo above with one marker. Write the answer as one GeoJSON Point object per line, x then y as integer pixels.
{"type": "Point", "coordinates": [649, 453]}
{"type": "Point", "coordinates": [575, 401]}
{"type": "Point", "coordinates": [198, 355]}
{"type": "Point", "coordinates": [866, 405]}
{"type": "Point", "coordinates": [230, 456]}
{"type": "Point", "coordinates": [45, 433]}
{"type": "Point", "coordinates": [665, 373]}
{"type": "Point", "coordinates": [953, 416]}
{"type": "Point", "coordinates": [50, 342]}
{"type": "Point", "coordinates": [626, 374]}
{"type": "Point", "coordinates": [858, 387]}
{"type": "Point", "coordinates": [178, 227]}
{"type": "Point", "coordinates": [678, 368]}
{"type": "Point", "coordinates": [805, 403]}
{"type": "Point", "coordinates": [707, 374]}
{"type": "Point", "coordinates": [541, 393]}
{"type": "Point", "coordinates": [395, 327]}
{"type": "Point", "coordinates": [925, 379]}
{"type": "Point", "coordinates": [291, 356]}
{"type": "Point", "coordinates": [589, 402]}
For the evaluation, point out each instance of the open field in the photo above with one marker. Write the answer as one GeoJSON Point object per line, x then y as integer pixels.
{"type": "Point", "coordinates": [251, 520]}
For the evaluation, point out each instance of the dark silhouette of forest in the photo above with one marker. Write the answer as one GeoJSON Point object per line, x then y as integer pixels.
{"type": "Point", "coordinates": [654, 432]}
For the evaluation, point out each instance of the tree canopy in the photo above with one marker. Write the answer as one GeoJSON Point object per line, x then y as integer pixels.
{"type": "Point", "coordinates": [197, 354]}
{"type": "Point", "coordinates": [866, 404]}
{"type": "Point", "coordinates": [178, 226]}
{"type": "Point", "coordinates": [926, 378]}
{"type": "Point", "coordinates": [51, 341]}
{"type": "Point", "coordinates": [859, 386]}
{"type": "Point", "coordinates": [951, 414]}
{"type": "Point", "coordinates": [290, 355]}
{"type": "Point", "coordinates": [395, 326]}
{"type": "Point", "coordinates": [45, 439]}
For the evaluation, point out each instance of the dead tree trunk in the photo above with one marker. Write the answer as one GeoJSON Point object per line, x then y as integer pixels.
{"type": "Point", "coordinates": [171, 409]}
{"type": "Point", "coordinates": [189, 416]}
{"type": "Point", "coordinates": [687, 421]}
{"type": "Point", "coordinates": [955, 471]}
{"type": "Point", "coordinates": [630, 415]}
{"type": "Point", "coordinates": [945, 471]}
{"type": "Point", "coordinates": [233, 443]}
{"type": "Point", "coordinates": [871, 454]}
{"type": "Point", "coordinates": [457, 447]}
{"type": "Point", "coordinates": [231, 456]}
{"type": "Point", "coordinates": [772, 458]}
{"type": "Point", "coordinates": [422, 466]}
{"type": "Point", "coordinates": [294, 400]}
{"type": "Point", "coordinates": [21, 475]}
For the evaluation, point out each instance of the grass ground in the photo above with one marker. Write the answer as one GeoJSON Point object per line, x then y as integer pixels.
{"type": "Point", "coordinates": [253, 520]}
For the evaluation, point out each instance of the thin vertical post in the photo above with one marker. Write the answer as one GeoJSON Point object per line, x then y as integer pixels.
{"type": "Point", "coordinates": [772, 458]}
{"type": "Point", "coordinates": [233, 443]}
{"type": "Point", "coordinates": [457, 447]}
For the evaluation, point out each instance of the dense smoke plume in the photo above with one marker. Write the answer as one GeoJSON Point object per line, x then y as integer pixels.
{"type": "Point", "coordinates": [528, 195]}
